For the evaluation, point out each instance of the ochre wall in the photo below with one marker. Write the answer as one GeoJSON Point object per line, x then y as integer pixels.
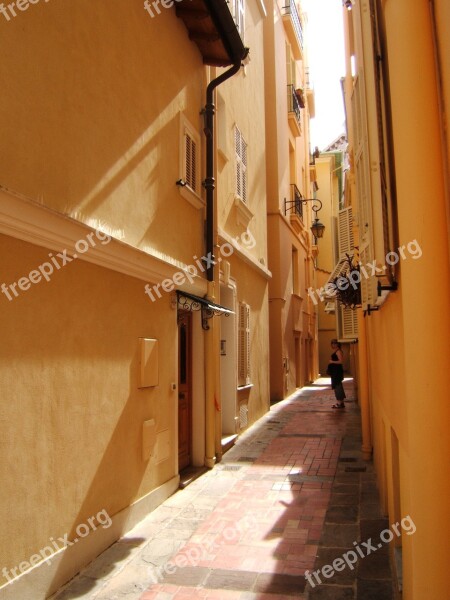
{"type": "Point", "coordinates": [408, 337]}
{"type": "Point", "coordinates": [71, 410]}
{"type": "Point", "coordinates": [84, 131]}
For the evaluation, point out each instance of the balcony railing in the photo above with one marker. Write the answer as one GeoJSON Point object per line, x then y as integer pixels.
{"type": "Point", "coordinates": [294, 105]}
{"type": "Point", "coordinates": [294, 205]}
{"type": "Point", "coordinates": [291, 9]}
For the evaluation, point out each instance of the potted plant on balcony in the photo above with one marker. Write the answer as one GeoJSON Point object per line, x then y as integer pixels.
{"type": "Point", "coordinates": [348, 285]}
{"type": "Point", "coordinates": [300, 97]}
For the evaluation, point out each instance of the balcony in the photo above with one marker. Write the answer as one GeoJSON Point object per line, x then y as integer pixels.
{"type": "Point", "coordinates": [294, 29]}
{"type": "Point", "coordinates": [294, 110]}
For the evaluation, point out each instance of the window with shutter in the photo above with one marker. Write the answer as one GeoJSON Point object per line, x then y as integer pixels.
{"type": "Point", "coordinates": [190, 172]}
{"type": "Point", "coordinates": [191, 162]}
{"type": "Point", "coordinates": [241, 165]}
{"type": "Point", "coordinates": [345, 233]}
{"type": "Point", "coordinates": [349, 320]}
{"type": "Point", "coordinates": [244, 344]}
{"type": "Point", "coordinates": [363, 190]}
{"type": "Point", "coordinates": [238, 10]}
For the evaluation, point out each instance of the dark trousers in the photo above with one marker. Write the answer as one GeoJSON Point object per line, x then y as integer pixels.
{"type": "Point", "coordinates": [339, 391]}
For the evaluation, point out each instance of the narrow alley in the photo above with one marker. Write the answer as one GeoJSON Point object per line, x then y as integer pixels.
{"type": "Point", "coordinates": [292, 496]}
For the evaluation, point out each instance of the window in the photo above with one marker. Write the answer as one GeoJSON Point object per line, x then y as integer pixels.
{"type": "Point", "coordinates": [347, 323]}
{"type": "Point", "coordinates": [345, 244]}
{"type": "Point", "coordinates": [241, 165]}
{"type": "Point", "coordinates": [190, 163]}
{"type": "Point", "coordinates": [244, 344]}
{"type": "Point", "coordinates": [295, 271]}
{"type": "Point", "coordinates": [238, 10]}
{"type": "Point", "coordinates": [363, 189]}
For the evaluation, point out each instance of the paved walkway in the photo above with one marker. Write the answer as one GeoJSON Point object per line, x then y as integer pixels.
{"type": "Point", "coordinates": [292, 496]}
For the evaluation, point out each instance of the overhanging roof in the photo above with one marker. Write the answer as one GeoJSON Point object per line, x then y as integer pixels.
{"type": "Point", "coordinates": [211, 26]}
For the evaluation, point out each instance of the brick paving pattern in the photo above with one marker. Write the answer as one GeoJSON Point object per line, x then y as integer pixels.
{"type": "Point", "coordinates": [292, 495]}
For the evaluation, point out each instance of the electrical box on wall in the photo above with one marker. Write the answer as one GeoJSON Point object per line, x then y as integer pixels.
{"type": "Point", "coordinates": [149, 362]}
{"type": "Point", "coordinates": [148, 439]}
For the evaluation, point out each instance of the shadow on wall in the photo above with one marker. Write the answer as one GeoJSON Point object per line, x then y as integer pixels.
{"type": "Point", "coordinates": [91, 87]}
{"type": "Point", "coordinates": [69, 363]}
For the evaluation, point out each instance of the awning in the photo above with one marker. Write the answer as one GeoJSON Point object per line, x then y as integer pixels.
{"type": "Point", "coordinates": [192, 303]}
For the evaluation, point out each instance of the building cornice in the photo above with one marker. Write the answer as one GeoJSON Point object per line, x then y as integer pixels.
{"type": "Point", "coordinates": [25, 219]}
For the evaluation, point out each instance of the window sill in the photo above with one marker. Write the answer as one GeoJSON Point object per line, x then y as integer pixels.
{"type": "Point", "coordinates": [193, 198]}
{"type": "Point", "coordinates": [244, 214]}
{"type": "Point", "coordinates": [242, 388]}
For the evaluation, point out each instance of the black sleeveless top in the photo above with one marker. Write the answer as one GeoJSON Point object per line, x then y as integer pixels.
{"type": "Point", "coordinates": [336, 372]}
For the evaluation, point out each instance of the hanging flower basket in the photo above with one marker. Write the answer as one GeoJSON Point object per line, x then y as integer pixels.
{"type": "Point", "coordinates": [348, 285]}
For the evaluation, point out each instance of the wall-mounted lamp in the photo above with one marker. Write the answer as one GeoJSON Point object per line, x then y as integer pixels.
{"type": "Point", "coordinates": [317, 227]}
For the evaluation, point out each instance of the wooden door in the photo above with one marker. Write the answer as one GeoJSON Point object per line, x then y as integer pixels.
{"type": "Point", "coordinates": [184, 390]}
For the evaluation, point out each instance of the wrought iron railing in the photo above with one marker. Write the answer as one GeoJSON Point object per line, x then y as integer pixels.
{"type": "Point", "coordinates": [294, 105]}
{"type": "Point", "coordinates": [291, 9]}
{"type": "Point", "coordinates": [294, 205]}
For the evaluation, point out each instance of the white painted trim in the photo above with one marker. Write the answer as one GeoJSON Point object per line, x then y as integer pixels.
{"type": "Point", "coordinates": [262, 7]}
{"type": "Point", "coordinates": [45, 579]}
{"type": "Point", "coordinates": [31, 222]}
{"type": "Point", "coordinates": [244, 214]}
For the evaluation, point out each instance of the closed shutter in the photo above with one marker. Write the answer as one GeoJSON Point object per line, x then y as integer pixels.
{"type": "Point", "coordinates": [190, 161]}
{"type": "Point", "coordinates": [241, 165]}
{"type": "Point", "coordinates": [244, 344]}
{"type": "Point", "coordinates": [345, 232]}
{"type": "Point", "coordinates": [239, 16]}
{"type": "Point", "coordinates": [363, 191]}
{"type": "Point", "coordinates": [349, 323]}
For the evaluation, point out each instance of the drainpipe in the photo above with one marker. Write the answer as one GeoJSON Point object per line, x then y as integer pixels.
{"type": "Point", "coordinates": [212, 366]}
{"type": "Point", "coordinates": [209, 182]}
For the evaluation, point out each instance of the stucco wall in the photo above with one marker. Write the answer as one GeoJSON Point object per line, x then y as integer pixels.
{"type": "Point", "coordinates": [71, 410]}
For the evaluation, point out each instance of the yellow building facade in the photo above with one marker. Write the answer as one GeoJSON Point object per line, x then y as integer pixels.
{"type": "Point", "coordinates": [397, 94]}
{"type": "Point", "coordinates": [289, 106]}
{"type": "Point", "coordinates": [126, 353]}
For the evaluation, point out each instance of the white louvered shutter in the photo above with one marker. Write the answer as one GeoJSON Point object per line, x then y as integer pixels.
{"type": "Point", "coordinates": [241, 165]}
{"type": "Point", "coordinates": [363, 191]}
{"type": "Point", "coordinates": [244, 344]}
{"type": "Point", "coordinates": [345, 233]}
{"type": "Point", "coordinates": [349, 323]}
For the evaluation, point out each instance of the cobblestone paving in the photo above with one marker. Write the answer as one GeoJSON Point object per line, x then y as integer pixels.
{"type": "Point", "coordinates": [291, 496]}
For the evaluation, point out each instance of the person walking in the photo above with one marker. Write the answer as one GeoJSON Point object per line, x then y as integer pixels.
{"type": "Point", "coordinates": [336, 372]}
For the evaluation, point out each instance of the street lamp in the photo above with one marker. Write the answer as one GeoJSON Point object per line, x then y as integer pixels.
{"type": "Point", "coordinates": [295, 205]}
{"type": "Point", "coordinates": [317, 227]}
